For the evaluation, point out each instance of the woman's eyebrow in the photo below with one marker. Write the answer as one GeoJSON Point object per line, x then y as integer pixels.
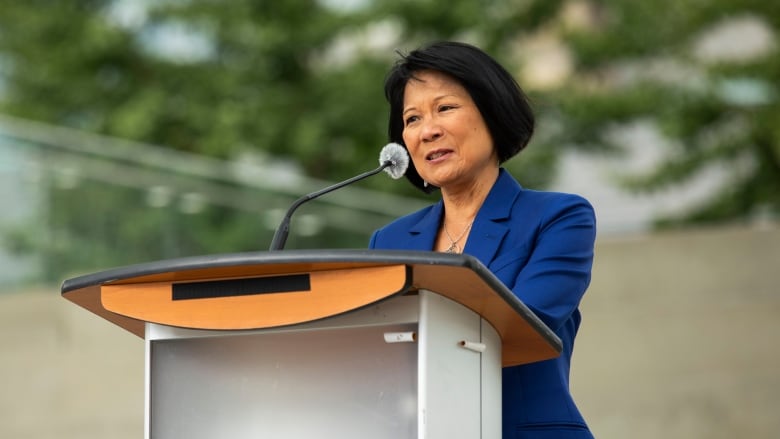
{"type": "Point", "coordinates": [436, 99]}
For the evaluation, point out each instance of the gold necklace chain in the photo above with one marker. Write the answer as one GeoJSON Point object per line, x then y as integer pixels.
{"type": "Point", "coordinates": [453, 248]}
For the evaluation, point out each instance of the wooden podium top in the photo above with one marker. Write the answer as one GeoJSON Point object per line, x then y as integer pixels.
{"type": "Point", "coordinates": [273, 289]}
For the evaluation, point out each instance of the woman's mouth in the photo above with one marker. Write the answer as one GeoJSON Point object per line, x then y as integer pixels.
{"type": "Point", "coordinates": [437, 154]}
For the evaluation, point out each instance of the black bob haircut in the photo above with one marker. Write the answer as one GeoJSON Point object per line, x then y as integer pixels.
{"type": "Point", "coordinates": [498, 97]}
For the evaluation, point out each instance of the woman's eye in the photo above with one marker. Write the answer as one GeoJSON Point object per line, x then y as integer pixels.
{"type": "Point", "coordinates": [410, 119]}
{"type": "Point", "coordinates": [446, 107]}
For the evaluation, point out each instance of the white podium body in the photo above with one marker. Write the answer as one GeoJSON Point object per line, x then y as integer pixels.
{"type": "Point", "coordinates": [337, 378]}
{"type": "Point", "coordinates": [238, 347]}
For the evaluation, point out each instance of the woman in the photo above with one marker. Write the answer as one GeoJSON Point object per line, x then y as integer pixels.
{"type": "Point", "coordinates": [460, 115]}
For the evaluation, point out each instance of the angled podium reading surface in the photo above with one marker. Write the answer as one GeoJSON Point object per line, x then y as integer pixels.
{"type": "Point", "coordinates": [321, 343]}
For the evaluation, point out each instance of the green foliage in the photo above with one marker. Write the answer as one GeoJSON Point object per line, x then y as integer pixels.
{"type": "Point", "coordinates": [259, 75]}
{"type": "Point", "coordinates": [714, 113]}
{"type": "Point", "coordinates": [303, 80]}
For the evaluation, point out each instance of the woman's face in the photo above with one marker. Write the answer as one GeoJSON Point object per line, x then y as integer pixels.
{"type": "Point", "coordinates": [447, 139]}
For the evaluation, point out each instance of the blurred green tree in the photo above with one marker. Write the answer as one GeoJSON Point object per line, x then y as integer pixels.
{"type": "Point", "coordinates": [703, 72]}
{"type": "Point", "coordinates": [303, 79]}
{"type": "Point", "coordinates": [300, 78]}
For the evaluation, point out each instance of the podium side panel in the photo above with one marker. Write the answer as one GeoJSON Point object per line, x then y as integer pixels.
{"type": "Point", "coordinates": [491, 383]}
{"type": "Point", "coordinates": [449, 401]}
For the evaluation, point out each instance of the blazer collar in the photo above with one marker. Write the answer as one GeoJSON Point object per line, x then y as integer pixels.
{"type": "Point", "coordinates": [489, 228]}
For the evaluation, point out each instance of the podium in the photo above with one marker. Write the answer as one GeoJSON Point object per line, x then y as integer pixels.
{"type": "Point", "coordinates": [323, 343]}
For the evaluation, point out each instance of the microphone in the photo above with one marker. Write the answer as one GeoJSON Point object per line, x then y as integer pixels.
{"type": "Point", "coordinates": [393, 159]}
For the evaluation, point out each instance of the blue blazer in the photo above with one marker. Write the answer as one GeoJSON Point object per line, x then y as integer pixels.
{"type": "Point", "coordinates": [540, 245]}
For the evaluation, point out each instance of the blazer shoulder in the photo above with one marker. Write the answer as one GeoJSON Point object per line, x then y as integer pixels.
{"type": "Point", "coordinates": [509, 198]}
{"type": "Point", "coordinates": [540, 209]}
{"type": "Point", "coordinates": [553, 200]}
{"type": "Point", "coordinates": [409, 220]}
{"type": "Point", "coordinates": [388, 235]}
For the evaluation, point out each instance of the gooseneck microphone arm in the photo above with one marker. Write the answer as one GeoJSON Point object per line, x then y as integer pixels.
{"type": "Point", "coordinates": [280, 237]}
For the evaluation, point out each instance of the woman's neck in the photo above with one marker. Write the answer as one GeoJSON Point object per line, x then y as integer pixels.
{"type": "Point", "coordinates": [462, 204]}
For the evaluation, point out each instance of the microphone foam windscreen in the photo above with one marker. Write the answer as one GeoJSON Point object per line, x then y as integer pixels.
{"type": "Point", "coordinates": [397, 156]}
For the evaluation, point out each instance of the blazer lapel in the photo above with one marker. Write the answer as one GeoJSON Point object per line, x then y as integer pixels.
{"type": "Point", "coordinates": [490, 225]}
{"type": "Point", "coordinates": [422, 235]}
{"type": "Point", "coordinates": [489, 228]}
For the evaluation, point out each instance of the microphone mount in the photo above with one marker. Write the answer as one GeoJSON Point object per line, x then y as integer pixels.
{"type": "Point", "coordinates": [280, 236]}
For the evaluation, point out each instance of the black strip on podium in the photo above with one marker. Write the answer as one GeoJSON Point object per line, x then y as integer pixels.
{"type": "Point", "coordinates": [241, 287]}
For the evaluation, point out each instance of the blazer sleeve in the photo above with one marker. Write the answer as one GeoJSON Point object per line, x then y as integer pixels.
{"type": "Point", "coordinates": [558, 268]}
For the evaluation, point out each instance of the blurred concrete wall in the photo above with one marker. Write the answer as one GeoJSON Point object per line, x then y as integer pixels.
{"type": "Point", "coordinates": [678, 341]}
{"type": "Point", "coordinates": [680, 336]}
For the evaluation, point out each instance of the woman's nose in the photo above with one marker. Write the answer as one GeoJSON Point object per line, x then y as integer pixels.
{"type": "Point", "coordinates": [430, 131]}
